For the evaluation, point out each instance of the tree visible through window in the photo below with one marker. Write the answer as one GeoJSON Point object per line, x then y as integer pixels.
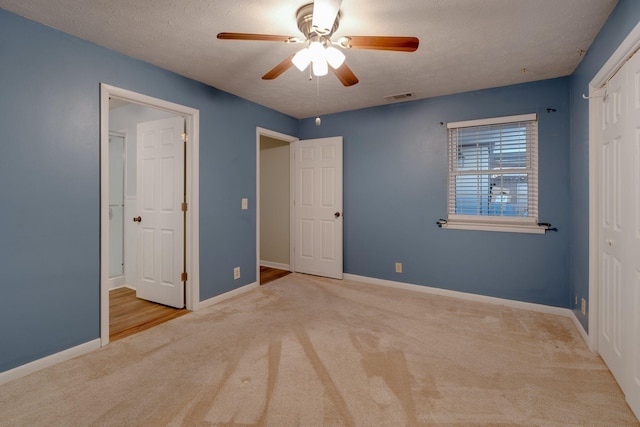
{"type": "Point", "coordinates": [493, 170]}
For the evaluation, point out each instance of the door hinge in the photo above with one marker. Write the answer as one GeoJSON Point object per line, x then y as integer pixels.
{"type": "Point", "coordinates": [184, 137]}
{"type": "Point", "coordinates": [183, 276]}
{"type": "Point", "coordinates": [185, 206]}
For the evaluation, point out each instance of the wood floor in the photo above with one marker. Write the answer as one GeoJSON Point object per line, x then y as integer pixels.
{"type": "Point", "coordinates": [128, 314]}
{"type": "Point", "coordinates": [268, 274]}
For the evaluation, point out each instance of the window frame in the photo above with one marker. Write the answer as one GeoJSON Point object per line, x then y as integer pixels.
{"type": "Point", "coordinates": [514, 224]}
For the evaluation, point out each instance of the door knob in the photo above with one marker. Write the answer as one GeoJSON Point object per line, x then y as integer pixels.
{"type": "Point", "coordinates": [337, 214]}
{"type": "Point", "coordinates": [137, 219]}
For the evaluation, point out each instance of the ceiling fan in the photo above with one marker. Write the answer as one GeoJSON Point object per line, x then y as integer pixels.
{"type": "Point", "coordinates": [318, 21]}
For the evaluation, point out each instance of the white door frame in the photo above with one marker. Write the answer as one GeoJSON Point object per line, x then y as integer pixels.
{"type": "Point", "coordinates": [285, 138]}
{"type": "Point", "coordinates": [192, 117]}
{"type": "Point", "coordinates": [596, 90]}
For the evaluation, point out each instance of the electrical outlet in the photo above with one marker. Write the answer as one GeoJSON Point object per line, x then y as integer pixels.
{"type": "Point", "coordinates": [236, 273]}
{"type": "Point", "coordinates": [583, 307]}
{"type": "Point", "coordinates": [398, 267]}
{"type": "Point", "coordinates": [576, 301]}
{"type": "Point", "coordinates": [245, 203]}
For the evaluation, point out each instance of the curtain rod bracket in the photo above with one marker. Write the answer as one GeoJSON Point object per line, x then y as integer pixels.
{"type": "Point", "coordinates": [547, 226]}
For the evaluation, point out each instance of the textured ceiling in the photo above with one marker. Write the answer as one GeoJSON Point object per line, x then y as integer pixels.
{"type": "Point", "coordinates": [464, 44]}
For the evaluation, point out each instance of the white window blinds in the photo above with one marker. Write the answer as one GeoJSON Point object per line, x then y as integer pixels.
{"type": "Point", "coordinates": [493, 169]}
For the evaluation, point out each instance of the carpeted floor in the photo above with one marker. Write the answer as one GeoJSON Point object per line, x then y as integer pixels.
{"type": "Point", "coordinates": [309, 351]}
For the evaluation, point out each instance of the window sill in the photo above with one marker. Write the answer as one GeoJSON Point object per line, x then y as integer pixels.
{"type": "Point", "coordinates": [508, 227]}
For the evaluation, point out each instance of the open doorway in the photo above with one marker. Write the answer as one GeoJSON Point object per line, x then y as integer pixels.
{"type": "Point", "coordinates": [274, 237]}
{"type": "Point", "coordinates": [130, 124]}
{"type": "Point", "coordinates": [130, 310]}
{"type": "Point", "coordinates": [315, 238]}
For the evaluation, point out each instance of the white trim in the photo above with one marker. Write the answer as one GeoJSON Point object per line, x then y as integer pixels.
{"type": "Point", "coordinates": [123, 286]}
{"type": "Point", "coordinates": [533, 228]}
{"type": "Point", "coordinates": [223, 297]}
{"type": "Point", "coordinates": [48, 361]}
{"type": "Point", "coordinates": [493, 121]}
{"type": "Point", "coordinates": [622, 54]}
{"type": "Point", "coordinates": [626, 49]}
{"type": "Point", "coordinates": [540, 308]}
{"type": "Point", "coordinates": [580, 329]}
{"type": "Point", "coordinates": [277, 265]}
{"type": "Point", "coordinates": [594, 219]}
{"type": "Point", "coordinates": [117, 282]}
{"type": "Point", "coordinates": [192, 117]}
{"type": "Point", "coordinates": [285, 138]}
{"type": "Point", "coordinates": [292, 207]}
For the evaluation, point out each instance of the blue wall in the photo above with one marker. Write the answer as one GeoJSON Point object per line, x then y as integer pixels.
{"type": "Point", "coordinates": [622, 20]}
{"type": "Point", "coordinates": [395, 188]}
{"type": "Point", "coordinates": [50, 175]}
{"type": "Point", "coordinates": [395, 185]}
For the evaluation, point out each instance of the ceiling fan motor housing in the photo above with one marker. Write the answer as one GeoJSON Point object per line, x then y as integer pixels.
{"type": "Point", "coordinates": [304, 17]}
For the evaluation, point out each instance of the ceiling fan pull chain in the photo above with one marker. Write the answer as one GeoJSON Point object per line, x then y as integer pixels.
{"type": "Point", "coordinates": [318, 121]}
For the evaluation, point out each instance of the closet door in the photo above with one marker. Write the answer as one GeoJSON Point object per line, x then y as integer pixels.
{"type": "Point", "coordinates": [619, 237]}
{"type": "Point", "coordinates": [631, 290]}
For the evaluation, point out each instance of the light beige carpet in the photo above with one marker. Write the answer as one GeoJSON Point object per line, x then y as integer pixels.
{"type": "Point", "coordinates": [310, 351]}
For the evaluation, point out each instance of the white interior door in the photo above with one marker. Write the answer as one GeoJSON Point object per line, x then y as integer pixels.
{"type": "Point", "coordinates": [631, 289]}
{"type": "Point", "coordinates": [318, 207]}
{"type": "Point", "coordinates": [160, 193]}
{"type": "Point", "coordinates": [612, 227]}
{"type": "Point", "coordinates": [619, 237]}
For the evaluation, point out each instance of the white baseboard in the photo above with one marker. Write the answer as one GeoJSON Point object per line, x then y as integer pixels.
{"type": "Point", "coordinates": [277, 265]}
{"type": "Point", "coordinates": [90, 346]}
{"type": "Point", "coordinates": [47, 361]}
{"type": "Point", "coordinates": [582, 332]}
{"type": "Point", "coordinates": [217, 299]}
{"type": "Point", "coordinates": [565, 312]}
{"type": "Point", "coordinates": [123, 286]}
{"type": "Point", "coordinates": [117, 282]}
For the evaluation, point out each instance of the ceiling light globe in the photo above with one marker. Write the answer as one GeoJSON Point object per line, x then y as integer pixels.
{"type": "Point", "coordinates": [335, 58]}
{"type": "Point", "coordinates": [316, 50]}
{"type": "Point", "coordinates": [320, 68]}
{"type": "Point", "coordinates": [302, 59]}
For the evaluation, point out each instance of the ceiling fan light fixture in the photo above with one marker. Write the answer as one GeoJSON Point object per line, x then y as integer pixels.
{"type": "Point", "coordinates": [344, 42]}
{"type": "Point", "coordinates": [320, 67]}
{"type": "Point", "coordinates": [318, 22]}
{"type": "Point", "coordinates": [334, 57]}
{"type": "Point", "coordinates": [316, 51]}
{"type": "Point", "coordinates": [302, 59]}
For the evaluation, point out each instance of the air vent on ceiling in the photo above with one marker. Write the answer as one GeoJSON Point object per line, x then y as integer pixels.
{"type": "Point", "coordinates": [399, 97]}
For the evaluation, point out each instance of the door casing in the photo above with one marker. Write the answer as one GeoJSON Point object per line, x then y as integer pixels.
{"type": "Point", "coordinates": [192, 117]}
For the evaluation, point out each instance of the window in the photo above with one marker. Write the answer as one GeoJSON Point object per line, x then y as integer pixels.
{"type": "Point", "coordinates": [493, 174]}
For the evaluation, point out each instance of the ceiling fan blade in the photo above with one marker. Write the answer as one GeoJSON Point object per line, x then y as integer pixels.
{"type": "Point", "coordinates": [400, 44]}
{"type": "Point", "coordinates": [324, 15]}
{"type": "Point", "coordinates": [345, 75]}
{"type": "Point", "coordinates": [279, 69]}
{"type": "Point", "coordinates": [258, 37]}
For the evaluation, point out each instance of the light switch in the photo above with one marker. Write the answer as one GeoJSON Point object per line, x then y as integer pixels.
{"type": "Point", "coordinates": [245, 203]}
